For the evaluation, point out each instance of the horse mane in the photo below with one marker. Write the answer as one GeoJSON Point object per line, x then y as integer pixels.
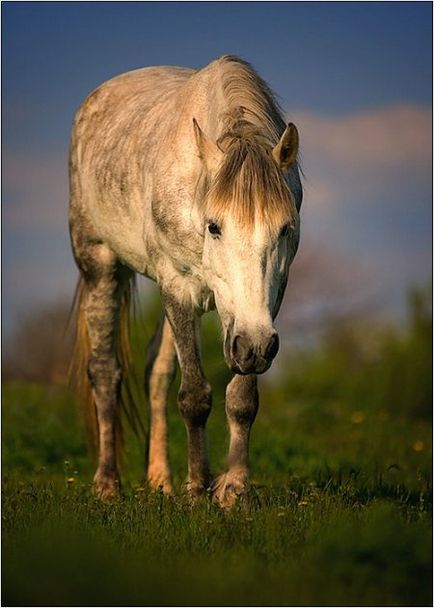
{"type": "Point", "coordinates": [243, 88]}
{"type": "Point", "coordinates": [249, 184]}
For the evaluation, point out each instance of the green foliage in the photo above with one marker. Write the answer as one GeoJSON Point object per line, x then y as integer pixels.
{"type": "Point", "coordinates": [341, 501]}
{"type": "Point", "coordinates": [41, 428]}
{"type": "Point", "coordinates": [374, 368]}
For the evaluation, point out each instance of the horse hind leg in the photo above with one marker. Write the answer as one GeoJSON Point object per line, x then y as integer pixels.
{"type": "Point", "coordinates": [160, 372]}
{"type": "Point", "coordinates": [104, 283]}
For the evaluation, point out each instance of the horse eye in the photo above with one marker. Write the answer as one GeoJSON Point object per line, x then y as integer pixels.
{"type": "Point", "coordinates": [284, 232]}
{"type": "Point", "coordinates": [214, 229]}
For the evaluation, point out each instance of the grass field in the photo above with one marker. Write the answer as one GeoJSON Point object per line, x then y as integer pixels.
{"type": "Point", "coordinates": [340, 512]}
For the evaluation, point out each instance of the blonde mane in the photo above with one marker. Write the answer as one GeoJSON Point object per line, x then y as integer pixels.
{"type": "Point", "coordinates": [249, 185]}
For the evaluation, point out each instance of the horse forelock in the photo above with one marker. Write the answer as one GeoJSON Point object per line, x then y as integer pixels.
{"type": "Point", "coordinates": [249, 185]}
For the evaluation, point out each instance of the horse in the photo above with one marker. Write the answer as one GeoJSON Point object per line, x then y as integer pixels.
{"type": "Point", "coordinates": [190, 178]}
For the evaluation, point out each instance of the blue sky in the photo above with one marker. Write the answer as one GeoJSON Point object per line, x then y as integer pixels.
{"type": "Point", "coordinates": [355, 77]}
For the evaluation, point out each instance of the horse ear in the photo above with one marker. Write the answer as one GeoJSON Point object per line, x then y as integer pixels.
{"type": "Point", "coordinates": [285, 152]}
{"type": "Point", "coordinates": [209, 152]}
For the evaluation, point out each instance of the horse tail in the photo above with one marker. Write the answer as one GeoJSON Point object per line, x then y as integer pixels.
{"type": "Point", "coordinates": [78, 370]}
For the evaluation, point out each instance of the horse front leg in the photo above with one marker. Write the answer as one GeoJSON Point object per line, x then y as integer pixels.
{"type": "Point", "coordinates": [241, 408]}
{"type": "Point", "coordinates": [194, 396]}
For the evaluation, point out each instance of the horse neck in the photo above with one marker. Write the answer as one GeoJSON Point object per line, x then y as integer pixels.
{"type": "Point", "coordinates": [219, 92]}
{"type": "Point", "coordinates": [216, 96]}
{"type": "Point", "coordinates": [247, 97]}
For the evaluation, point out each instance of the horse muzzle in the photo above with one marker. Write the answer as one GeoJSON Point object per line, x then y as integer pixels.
{"type": "Point", "coordinates": [245, 356]}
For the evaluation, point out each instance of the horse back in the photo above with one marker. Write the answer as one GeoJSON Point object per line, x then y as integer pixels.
{"type": "Point", "coordinates": [115, 140]}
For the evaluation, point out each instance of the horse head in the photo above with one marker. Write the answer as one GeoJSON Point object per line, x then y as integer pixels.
{"type": "Point", "coordinates": [250, 228]}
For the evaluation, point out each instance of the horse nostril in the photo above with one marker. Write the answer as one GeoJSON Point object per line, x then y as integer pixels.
{"type": "Point", "coordinates": [272, 347]}
{"type": "Point", "coordinates": [242, 350]}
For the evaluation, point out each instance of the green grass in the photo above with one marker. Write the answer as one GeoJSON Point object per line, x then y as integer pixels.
{"type": "Point", "coordinates": [340, 509]}
{"type": "Point", "coordinates": [339, 515]}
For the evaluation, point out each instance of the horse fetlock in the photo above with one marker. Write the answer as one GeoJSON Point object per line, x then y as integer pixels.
{"type": "Point", "coordinates": [106, 484]}
{"type": "Point", "coordinates": [159, 479]}
{"type": "Point", "coordinates": [194, 490]}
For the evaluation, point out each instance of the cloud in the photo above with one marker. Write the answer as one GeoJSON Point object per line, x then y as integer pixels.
{"type": "Point", "coordinates": [394, 136]}
{"type": "Point", "coordinates": [367, 160]}
{"type": "Point", "coordinates": [37, 262]}
{"type": "Point", "coordinates": [368, 179]}
{"type": "Point", "coordinates": [368, 201]}
{"type": "Point", "coordinates": [35, 190]}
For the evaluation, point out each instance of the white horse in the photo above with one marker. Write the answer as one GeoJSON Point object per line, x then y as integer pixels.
{"type": "Point", "coordinates": [209, 212]}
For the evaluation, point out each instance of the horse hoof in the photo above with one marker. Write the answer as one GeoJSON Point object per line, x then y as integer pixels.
{"type": "Point", "coordinates": [161, 484]}
{"type": "Point", "coordinates": [106, 488]}
{"type": "Point", "coordinates": [194, 492]}
{"type": "Point", "coordinates": [227, 490]}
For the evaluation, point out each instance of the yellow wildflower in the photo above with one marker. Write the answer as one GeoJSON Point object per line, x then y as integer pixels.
{"type": "Point", "coordinates": [418, 446]}
{"type": "Point", "coordinates": [357, 417]}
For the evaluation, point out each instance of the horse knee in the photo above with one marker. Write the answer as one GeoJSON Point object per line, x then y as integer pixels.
{"type": "Point", "coordinates": [159, 377]}
{"type": "Point", "coordinates": [159, 384]}
{"type": "Point", "coordinates": [242, 399]}
{"type": "Point", "coordinates": [195, 401]}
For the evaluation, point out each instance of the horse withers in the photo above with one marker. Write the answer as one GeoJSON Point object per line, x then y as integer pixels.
{"type": "Point", "coordinates": [190, 178]}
